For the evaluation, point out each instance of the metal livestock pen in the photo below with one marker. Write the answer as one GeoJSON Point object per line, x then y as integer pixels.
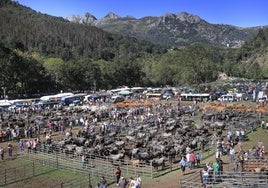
{"type": "Point", "coordinates": [228, 180]}
{"type": "Point", "coordinates": [96, 167]}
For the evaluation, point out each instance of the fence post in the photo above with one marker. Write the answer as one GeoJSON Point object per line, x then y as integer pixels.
{"type": "Point", "coordinates": [127, 167]}
{"type": "Point", "coordinates": [33, 169]}
{"type": "Point", "coordinates": [89, 181]}
{"type": "Point", "coordinates": [15, 174]}
{"type": "Point", "coordinates": [5, 177]}
{"type": "Point", "coordinates": [151, 165]}
{"type": "Point", "coordinates": [57, 160]}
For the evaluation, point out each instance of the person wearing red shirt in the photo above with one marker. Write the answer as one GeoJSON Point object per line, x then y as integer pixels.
{"type": "Point", "coordinates": [192, 160]}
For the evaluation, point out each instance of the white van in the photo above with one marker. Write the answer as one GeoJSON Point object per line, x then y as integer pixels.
{"type": "Point", "coordinates": [227, 98]}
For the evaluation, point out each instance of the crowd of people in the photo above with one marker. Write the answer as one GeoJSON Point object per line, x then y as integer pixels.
{"type": "Point", "coordinates": [230, 148]}
{"type": "Point", "coordinates": [238, 156]}
{"type": "Point", "coordinates": [132, 116]}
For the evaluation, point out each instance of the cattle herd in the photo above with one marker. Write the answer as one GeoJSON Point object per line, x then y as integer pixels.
{"type": "Point", "coordinates": [151, 133]}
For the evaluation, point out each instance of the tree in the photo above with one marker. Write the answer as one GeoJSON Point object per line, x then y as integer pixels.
{"type": "Point", "coordinates": [254, 72]}
{"type": "Point", "coordinates": [53, 67]}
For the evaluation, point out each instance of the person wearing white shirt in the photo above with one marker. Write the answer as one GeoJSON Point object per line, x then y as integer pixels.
{"type": "Point", "coordinates": [232, 154]}
{"type": "Point", "coordinates": [218, 154]}
{"type": "Point", "coordinates": [242, 133]}
{"type": "Point", "coordinates": [138, 181]}
{"type": "Point", "coordinates": [188, 159]}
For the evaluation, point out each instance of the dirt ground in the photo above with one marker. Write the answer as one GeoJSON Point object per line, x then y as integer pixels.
{"type": "Point", "coordinates": [170, 180]}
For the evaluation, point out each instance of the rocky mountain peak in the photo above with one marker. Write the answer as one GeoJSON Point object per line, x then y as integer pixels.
{"type": "Point", "coordinates": [180, 18]}
{"type": "Point", "coordinates": [86, 19]}
{"type": "Point", "coordinates": [89, 17]}
{"type": "Point", "coordinates": [184, 16]}
{"type": "Point", "coordinates": [74, 18]}
{"type": "Point", "coordinates": [111, 15]}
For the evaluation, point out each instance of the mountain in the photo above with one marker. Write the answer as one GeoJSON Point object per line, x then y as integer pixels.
{"type": "Point", "coordinates": [253, 55]}
{"type": "Point", "coordinates": [175, 30]}
{"type": "Point", "coordinates": [27, 30]}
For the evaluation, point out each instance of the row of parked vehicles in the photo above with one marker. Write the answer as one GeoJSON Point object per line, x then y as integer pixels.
{"type": "Point", "coordinates": [65, 99]}
{"type": "Point", "coordinates": [239, 97]}
{"type": "Point", "coordinates": [119, 95]}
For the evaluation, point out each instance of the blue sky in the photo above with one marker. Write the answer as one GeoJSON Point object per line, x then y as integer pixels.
{"type": "Point", "coordinates": [243, 13]}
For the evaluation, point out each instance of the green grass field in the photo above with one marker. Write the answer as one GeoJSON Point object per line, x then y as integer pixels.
{"type": "Point", "coordinates": [253, 138]}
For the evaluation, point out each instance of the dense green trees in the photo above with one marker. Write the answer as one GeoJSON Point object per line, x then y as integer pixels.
{"type": "Point", "coordinates": [21, 74]}
{"type": "Point", "coordinates": [24, 72]}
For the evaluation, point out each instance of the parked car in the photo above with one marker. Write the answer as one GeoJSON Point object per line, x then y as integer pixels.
{"type": "Point", "coordinates": [168, 95]}
{"type": "Point", "coordinates": [117, 98]}
{"type": "Point", "coordinates": [227, 98]}
{"type": "Point", "coordinates": [262, 100]}
{"type": "Point", "coordinates": [75, 103]}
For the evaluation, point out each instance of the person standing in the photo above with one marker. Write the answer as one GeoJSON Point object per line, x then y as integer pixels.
{"type": "Point", "coordinates": [138, 181]}
{"type": "Point", "coordinates": [131, 183]}
{"type": "Point", "coordinates": [239, 145]}
{"type": "Point", "coordinates": [218, 154]}
{"type": "Point", "coordinates": [117, 174]}
{"type": "Point", "coordinates": [188, 159]}
{"type": "Point", "coordinates": [262, 124]}
{"type": "Point", "coordinates": [21, 145]}
{"type": "Point", "coordinates": [198, 159]}
{"type": "Point", "coordinates": [235, 166]}
{"type": "Point", "coordinates": [34, 144]}
{"type": "Point", "coordinates": [192, 160]}
{"type": "Point", "coordinates": [122, 182]}
{"type": "Point", "coordinates": [2, 152]}
{"type": "Point", "coordinates": [183, 165]}
{"type": "Point", "coordinates": [84, 161]}
{"type": "Point", "coordinates": [242, 133]}
{"type": "Point", "coordinates": [10, 149]}
{"type": "Point", "coordinates": [216, 170]}
{"type": "Point", "coordinates": [232, 154]}
{"type": "Point", "coordinates": [29, 146]}
{"type": "Point", "coordinates": [205, 175]}
{"type": "Point", "coordinates": [103, 182]}
{"type": "Point", "coordinates": [241, 161]}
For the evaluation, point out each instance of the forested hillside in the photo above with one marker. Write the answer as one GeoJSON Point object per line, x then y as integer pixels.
{"type": "Point", "coordinates": [24, 29]}
{"type": "Point", "coordinates": [41, 53]}
{"type": "Point", "coordinates": [251, 60]}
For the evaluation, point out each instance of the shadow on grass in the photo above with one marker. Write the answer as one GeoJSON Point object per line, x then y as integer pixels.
{"type": "Point", "coordinates": [29, 178]}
